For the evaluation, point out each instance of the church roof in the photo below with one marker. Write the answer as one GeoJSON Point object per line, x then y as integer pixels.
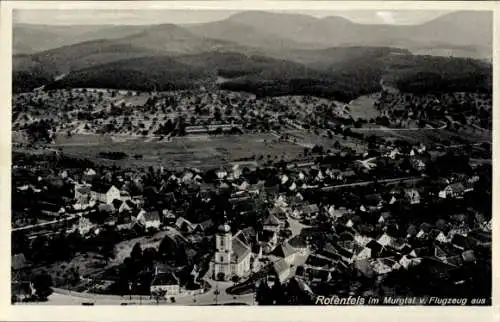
{"type": "Point", "coordinates": [243, 237]}
{"type": "Point", "coordinates": [240, 250]}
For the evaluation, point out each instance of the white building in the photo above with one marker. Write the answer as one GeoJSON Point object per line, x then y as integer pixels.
{"type": "Point", "coordinates": [149, 219]}
{"type": "Point", "coordinates": [105, 193]}
{"type": "Point", "coordinates": [166, 284]}
{"type": "Point", "coordinates": [232, 255]}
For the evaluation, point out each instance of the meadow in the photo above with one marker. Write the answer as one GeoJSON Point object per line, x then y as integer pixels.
{"type": "Point", "coordinates": [201, 151]}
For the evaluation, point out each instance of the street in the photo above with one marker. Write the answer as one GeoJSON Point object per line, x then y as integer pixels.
{"type": "Point", "coordinates": [65, 297]}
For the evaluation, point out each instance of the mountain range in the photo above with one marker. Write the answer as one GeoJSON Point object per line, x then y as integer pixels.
{"type": "Point", "coordinates": [457, 30]}
{"type": "Point", "coordinates": [256, 46]}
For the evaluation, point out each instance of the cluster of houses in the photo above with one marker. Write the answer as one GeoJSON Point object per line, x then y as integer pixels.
{"type": "Point", "coordinates": [249, 250]}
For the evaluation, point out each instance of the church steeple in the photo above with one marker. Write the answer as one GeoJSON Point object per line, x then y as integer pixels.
{"type": "Point", "coordinates": [224, 227]}
{"type": "Point", "coordinates": [224, 237]}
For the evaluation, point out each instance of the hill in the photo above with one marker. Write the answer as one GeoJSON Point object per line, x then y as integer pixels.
{"type": "Point", "coordinates": [247, 35]}
{"type": "Point", "coordinates": [31, 38]}
{"type": "Point", "coordinates": [450, 34]}
{"type": "Point", "coordinates": [452, 31]}
{"type": "Point", "coordinates": [160, 73]}
{"type": "Point", "coordinates": [343, 80]}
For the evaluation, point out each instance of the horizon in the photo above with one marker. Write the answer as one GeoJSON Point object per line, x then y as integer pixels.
{"type": "Point", "coordinates": [65, 17]}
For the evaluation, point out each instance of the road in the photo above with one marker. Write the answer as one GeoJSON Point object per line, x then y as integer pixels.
{"type": "Point", "coordinates": [64, 297]}
{"type": "Point", "coordinates": [70, 217]}
{"type": "Point", "coordinates": [364, 183]}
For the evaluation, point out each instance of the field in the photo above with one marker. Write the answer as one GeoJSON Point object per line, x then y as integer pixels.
{"type": "Point", "coordinates": [363, 107]}
{"type": "Point", "coordinates": [428, 136]}
{"type": "Point", "coordinates": [310, 139]}
{"type": "Point", "coordinates": [192, 151]}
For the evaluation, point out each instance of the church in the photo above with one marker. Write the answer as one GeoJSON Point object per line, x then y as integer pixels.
{"type": "Point", "coordinates": [232, 254]}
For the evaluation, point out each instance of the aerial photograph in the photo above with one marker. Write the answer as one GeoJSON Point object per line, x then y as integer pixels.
{"type": "Point", "coordinates": [217, 157]}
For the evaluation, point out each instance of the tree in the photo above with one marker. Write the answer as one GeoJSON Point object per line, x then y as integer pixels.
{"type": "Point", "coordinates": [263, 294]}
{"type": "Point", "coordinates": [136, 253]}
{"type": "Point", "coordinates": [149, 255]}
{"type": "Point", "coordinates": [160, 294]}
{"type": "Point", "coordinates": [278, 293]}
{"type": "Point", "coordinates": [74, 276]}
{"type": "Point", "coordinates": [43, 286]}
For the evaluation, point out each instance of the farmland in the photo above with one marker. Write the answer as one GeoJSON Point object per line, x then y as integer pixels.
{"type": "Point", "coordinates": [192, 151]}
{"type": "Point", "coordinates": [428, 136]}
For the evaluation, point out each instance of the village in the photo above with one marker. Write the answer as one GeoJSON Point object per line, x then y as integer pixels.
{"type": "Point", "coordinates": [239, 230]}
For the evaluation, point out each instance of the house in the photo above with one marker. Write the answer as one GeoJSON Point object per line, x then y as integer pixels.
{"type": "Point", "coordinates": [385, 240]}
{"type": "Point", "coordinates": [271, 223]}
{"type": "Point", "coordinates": [454, 260]}
{"type": "Point", "coordinates": [384, 217]}
{"type": "Point", "coordinates": [285, 251]}
{"type": "Point", "coordinates": [412, 196]}
{"type": "Point", "coordinates": [383, 266]}
{"type": "Point", "coordinates": [424, 231]}
{"type": "Point", "coordinates": [372, 202]}
{"type": "Point", "coordinates": [438, 236]}
{"type": "Point", "coordinates": [135, 213]}
{"type": "Point", "coordinates": [371, 250]}
{"type": "Point", "coordinates": [185, 225]}
{"type": "Point", "coordinates": [205, 225]}
{"type": "Point", "coordinates": [165, 284]}
{"type": "Point", "coordinates": [462, 229]}
{"type": "Point", "coordinates": [51, 209]}
{"type": "Point", "coordinates": [168, 216]}
{"type": "Point", "coordinates": [310, 210]}
{"type": "Point", "coordinates": [268, 240]}
{"type": "Point", "coordinates": [487, 226]}
{"type": "Point", "coordinates": [440, 253]}
{"type": "Point", "coordinates": [406, 261]}
{"type": "Point", "coordinates": [125, 225]}
{"type": "Point", "coordinates": [282, 269]}
{"type": "Point", "coordinates": [420, 252]}
{"type": "Point", "coordinates": [256, 256]}
{"type": "Point", "coordinates": [121, 206]}
{"type": "Point", "coordinates": [82, 193]}
{"type": "Point", "coordinates": [418, 164]}
{"type": "Point", "coordinates": [299, 243]}
{"type": "Point", "coordinates": [460, 242]}
{"type": "Point", "coordinates": [150, 219]}
{"type": "Point", "coordinates": [221, 174]}
{"type": "Point", "coordinates": [468, 256]}
{"type": "Point", "coordinates": [19, 262]}
{"type": "Point", "coordinates": [105, 193]}
{"type": "Point", "coordinates": [84, 226]}
{"type": "Point", "coordinates": [454, 190]}
{"type": "Point", "coordinates": [88, 175]}
{"type": "Point", "coordinates": [125, 196]}
{"type": "Point", "coordinates": [22, 291]}
{"type": "Point", "coordinates": [480, 238]}
{"type": "Point", "coordinates": [106, 208]}
{"type": "Point", "coordinates": [393, 154]}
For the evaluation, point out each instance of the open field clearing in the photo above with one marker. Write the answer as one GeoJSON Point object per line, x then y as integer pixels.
{"type": "Point", "coordinates": [428, 136]}
{"type": "Point", "coordinates": [327, 143]}
{"type": "Point", "coordinates": [363, 107]}
{"type": "Point", "coordinates": [197, 151]}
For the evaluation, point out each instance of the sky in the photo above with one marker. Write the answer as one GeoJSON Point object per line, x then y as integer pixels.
{"type": "Point", "coordinates": [146, 17]}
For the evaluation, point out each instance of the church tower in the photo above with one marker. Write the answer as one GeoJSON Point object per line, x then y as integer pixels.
{"type": "Point", "coordinates": [223, 250]}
